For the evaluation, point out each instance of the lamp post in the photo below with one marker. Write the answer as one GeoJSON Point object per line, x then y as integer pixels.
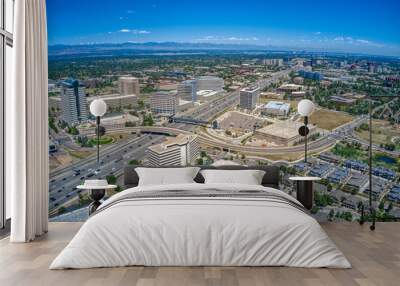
{"type": "Point", "coordinates": [98, 108]}
{"type": "Point", "coordinates": [305, 108]}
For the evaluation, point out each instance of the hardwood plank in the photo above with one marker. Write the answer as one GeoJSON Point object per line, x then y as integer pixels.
{"type": "Point", "coordinates": [375, 257]}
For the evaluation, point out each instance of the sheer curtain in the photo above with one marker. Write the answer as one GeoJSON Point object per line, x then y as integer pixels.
{"type": "Point", "coordinates": [27, 122]}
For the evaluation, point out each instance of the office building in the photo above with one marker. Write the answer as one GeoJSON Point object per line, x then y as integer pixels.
{"type": "Point", "coordinates": [73, 102]}
{"type": "Point", "coordinates": [311, 75]}
{"type": "Point", "coordinates": [129, 85]}
{"type": "Point", "coordinates": [164, 103]}
{"type": "Point", "coordinates": [175, 151]}
{"type": "Point", "coordinates": [187, 90]}
{"type": "Point", "coordinates": [249, 97]}
{"type": "Point", "coordinates": [210, 83]}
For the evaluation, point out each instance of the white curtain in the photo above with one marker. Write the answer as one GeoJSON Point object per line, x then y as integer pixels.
{"type": "Point", "coordinates": [27, 124]}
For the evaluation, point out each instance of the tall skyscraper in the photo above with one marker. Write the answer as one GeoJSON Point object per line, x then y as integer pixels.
{"type": "Point", "coordinates": [187, 90]}
{"type": "Point", "coordinates": [73, 102]}
{"type": "Point", "coordinates": [249, 97]}
{"type": "Point", "coordinates": [129, 85]}
{"type": "Point", "coordinates": [164, 103]}
{"type": "Point", "coordinates": [175, 151]}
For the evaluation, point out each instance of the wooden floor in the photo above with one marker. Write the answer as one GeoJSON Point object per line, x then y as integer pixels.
{"type": "Point", "coordinates": [375, 257]}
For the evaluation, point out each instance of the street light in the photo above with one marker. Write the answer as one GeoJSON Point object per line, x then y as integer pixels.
{"type": "Point", "coordinates": [98, 108]}
{"type": "Point", "coordinates": [305, 108]}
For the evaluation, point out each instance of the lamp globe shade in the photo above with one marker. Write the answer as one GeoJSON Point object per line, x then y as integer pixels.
{"type": "Point", "coordinates": [305, 107]}
{"type": "Point", "coordinates": [98, 107]}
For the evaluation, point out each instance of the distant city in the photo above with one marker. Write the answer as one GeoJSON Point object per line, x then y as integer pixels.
{"type": "Point", "coordinates": [228, 106]}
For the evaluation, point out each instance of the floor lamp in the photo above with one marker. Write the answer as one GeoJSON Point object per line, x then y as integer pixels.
{"type": "Point", "coordinates": [98, 108]}
{"type": "Point", "coordinates": [305, 108]}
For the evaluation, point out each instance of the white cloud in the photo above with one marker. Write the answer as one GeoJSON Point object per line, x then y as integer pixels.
{"type": "Point", "coordinates": [317, 33]}
{"type": "Point", "coordinates": [225, 38]}
{"type": "Point", "coordinates": [339, 39]}
{"type": "Point", "coordinates": [141, 32]}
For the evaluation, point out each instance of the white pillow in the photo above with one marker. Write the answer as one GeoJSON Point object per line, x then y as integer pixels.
{"type": "Point", "coordinates": [248, 177]}
{"type": "Point", "coordinates": [166, 176]}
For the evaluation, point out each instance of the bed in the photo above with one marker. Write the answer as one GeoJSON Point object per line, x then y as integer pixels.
{"type": "Point", "coordinates": [198, 224]}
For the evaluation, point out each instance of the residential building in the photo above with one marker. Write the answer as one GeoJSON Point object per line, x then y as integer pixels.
{"type": "Point", "coordinates": [275, 108]}
{"type": "Point", "coordinates": [187, 90]}
{"type": "Point", "coordinates": [164, 103]}
{"type": "Point", "coordinates": [320, 170]}
{"type": "Point", "coordinates": [175, 151]}
{"type": "Point", "coordinates": [129, 85]}
{"type": "Point", "coordinates": [249, 97]}
{"type": "Point", "coordinates": [73, 102]}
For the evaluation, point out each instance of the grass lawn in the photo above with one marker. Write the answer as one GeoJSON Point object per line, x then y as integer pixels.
{"type": "Point", "coordinates": [328, 119]}
{"type": "Point", "coordinates": [103, 140]}
{"type": "Point", "coordinates": [79, 154]}
{"type": "Point", "coordinates": [286, 156]}
{"type": "Point", "coordinates": [382, 132]}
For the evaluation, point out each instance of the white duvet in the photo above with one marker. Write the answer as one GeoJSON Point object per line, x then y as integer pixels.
{"type": "Point", "coordinates": [202, 232]}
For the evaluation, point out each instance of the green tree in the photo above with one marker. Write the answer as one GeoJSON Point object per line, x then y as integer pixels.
{"type": "Point", "coordinates": [111, 179]}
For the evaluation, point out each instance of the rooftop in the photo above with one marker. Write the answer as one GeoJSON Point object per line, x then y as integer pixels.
{"type": "Point", "coordinates": [172, 142]}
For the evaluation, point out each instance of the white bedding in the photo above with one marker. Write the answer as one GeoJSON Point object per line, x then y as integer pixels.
{"type": "Point", "coordinates": [200, 231]}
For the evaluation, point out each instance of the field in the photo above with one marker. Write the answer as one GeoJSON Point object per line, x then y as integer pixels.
{"type": "Point", "coordinates": [382, 132]}
{"type": "Point", "coordinates": [329, 120]}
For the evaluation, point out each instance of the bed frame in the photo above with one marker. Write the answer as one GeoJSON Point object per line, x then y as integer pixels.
{"type": "Point", "coordinates": [270, 179]}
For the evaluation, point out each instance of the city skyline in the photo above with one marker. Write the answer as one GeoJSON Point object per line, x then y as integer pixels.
{"type": "Point", "coordinates": [350, 27]}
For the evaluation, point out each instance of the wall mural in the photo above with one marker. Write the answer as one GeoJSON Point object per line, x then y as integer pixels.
{"type": "Point", "coordinates": [224, 107]}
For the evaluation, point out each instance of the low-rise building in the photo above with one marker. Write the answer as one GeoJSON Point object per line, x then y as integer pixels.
{"type": "Point", "coordinates": [284, 132]}
{"type": "Point", "coordinates": [329, 157]}
{"type": "Point", "coordinates": [338, 175]}
{"type": "Point", "coordinates": [356, 165]}
{"type": "Point", "coordinates": [342, 100]}
{"type": "Point", "coordinates": [181, 150]}
{"type": "Point", "coordinates": [320, 170]}
{"type": "Point", "coordinates": [357, 181]}
{"type": "Point", "coordinates": [275, 108]}
{"type": "Point", "coordinates": [289, 88]}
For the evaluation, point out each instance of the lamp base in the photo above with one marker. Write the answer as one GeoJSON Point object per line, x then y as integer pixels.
{"type": "Point", "coordinates": [96, 196]}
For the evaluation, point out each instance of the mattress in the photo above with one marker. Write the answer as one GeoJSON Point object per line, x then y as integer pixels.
{"type": "Point", "coordinates": [201, 225]}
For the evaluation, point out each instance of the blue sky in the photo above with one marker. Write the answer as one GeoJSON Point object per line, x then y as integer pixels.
{"type": "Point", "coordinates": [368, 26]}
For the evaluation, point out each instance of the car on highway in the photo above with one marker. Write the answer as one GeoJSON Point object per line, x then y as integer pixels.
{"type": "Point", "coordinates": [52, 199]}
{"type": "Point", "coordinates": [82, 178]}
{"type": "Point", "coordinates": [90, 175]}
